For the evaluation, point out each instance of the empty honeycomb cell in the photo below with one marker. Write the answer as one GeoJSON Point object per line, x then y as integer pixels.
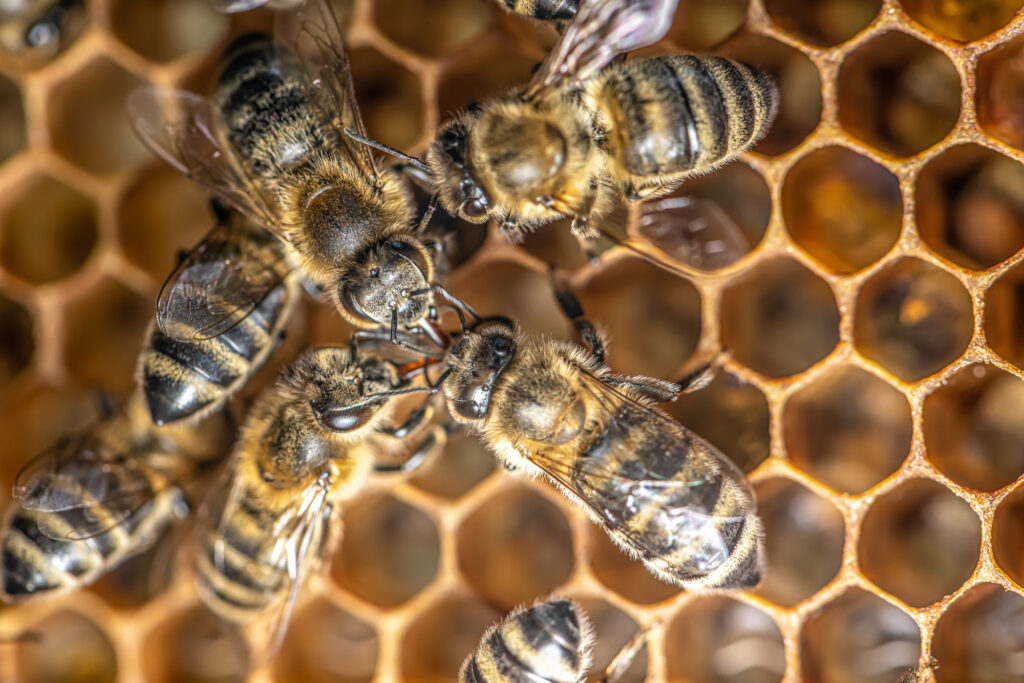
{"type": "Point", "coordinates": [389, 550]}
{"type": "Point", "coordinates": [389, 98]}
{"type": "Point", "coordinates": [326, 644]}
{"type": "Point", "coordinates": [898, 549]}
{"type": "Point", "coordinates": [720, 639]}
{"type": "Point", "coordinates": [17, 343]}
{"type": "Point", "coordinates": [1004, 316]}
{"type": "Point", "coordinates": [485, 69]}
{"type": "Point", "coordinates": [970, 206]}
{"type": "Point", "coordinates": [554, 243]}
{"type": "Point", "coordinates": [898, 94]}
{"type": "Point", "coordinates": [162, 30]}
{"type": "Point", "coordinates": [143, 577]}
{"type": "Point", "coordinates": [858, 638]}
{"type": "Point", "coordinates": [779, 318]}
{"type": "Point", "coordinates": [612, 628]}
{"type": "Point", "coordinates": [843, 208]}
{"type": "Point", "coordinates": [515, 547]}
{"type": "Point", "coordinates": [702, 24]}
{"type": "Point", "coordinates": [1007, 532]}
{"type": "Point", "coordinates": [729, 413]}
{"type": "Point", "coordinates": [47, 232]}
{"type": "Point", "coordinates": [195, 647]}
{"type": "Point", "coordinates": [963, 21]}
{"type": "Point", "coordinates": [12, 118]}
{"type": "Point", "coordinates": [462, 464]}
{"type": "Point", "coordinates": [652, 316]}
{"type": "Point", "coordinates": [972, 428]}
{"type": "Point", "coordinates": [913, 319]}
{"type": "Point", "coordinates": [803, 537]}
{"type": "Point", "coordinates": [105, 359]}
{"type": "Point", "coordinates": [980, 638]}
{"type": "Point", "coordinates": [1000, 92]}
{"type": "Point", "coordinates": [848, 429]}
{"type": "Point", "coordinates": [433, 28]}
{"type": "Point", "coordinates": [623, 574]}
{"type": "Point", "coordinates": [68, 647]}
{"type": "Point", "coordinates": [441, 636]}
{"type": "Point", "coordinates": [799, 86]}
{"type": "Point", "coordinates": [514, 291]}
{"type": "Point", "coordinates": [823, 23]}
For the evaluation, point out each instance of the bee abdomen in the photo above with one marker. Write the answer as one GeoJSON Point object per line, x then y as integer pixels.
{"type": "Point", "coordinates": [556, 10]}
{"type": "Point", "coordinates": [35, 563]}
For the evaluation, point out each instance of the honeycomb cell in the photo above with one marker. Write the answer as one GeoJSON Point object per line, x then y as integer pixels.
{"type": "Point", "coordinates": [732, 415]}
{"type": "Point", "coordinates": [962, 21]}
{"type": "Point", "coordinates": [196, 647]}
{"type": "Point", "coordinates": [442, 636]}
{"type": "Point", "coordinates": [512, 290]}
{"type": "Point", "coordinates": [799, 89]}
{"type": "Point", "coordinates": [162, 30]}
{"type": "Point", "coordinates": [823, 23]}
{"type": "Point", "coordinates": [462, 464]}
{"type": "Point", "coordinates": [843, 208]}
{"type": "Point", "coordinates": [849, 429]}
{"type": "Point", "coordinates": [970, 206]}
{"type": "Point", "coordinates": [390, 98]}
{"type": "Point", "coordinates": [702, 24]}
{"type": "Point", "coordinates": [515, 547]}
{"type": "Point", "coordinates": [47, 231]}
{"type": "Point", "coordinates": [721, 639]}
{"type": "Point", "coordinates": [459, 240]}
{"type": "Point", "coordinates": [653, 317]}
{"type": "Point", "coordinates": [972, 428]}
{"type": "Point", "coordinates": [1004, 316]}
{"type": "Point", "coordinates": [88, 121]}
{"type": "Point", "coordinates": [389, 550]}
{"type": "Point", "coordinates": [804, 538]}
{"type": "Point", "coordinates": [326, 644]}
{"type": "Point", "coordinates": [858, 638]}
{"type": "Point", "coordinates": [12, 118]}
{"type": "Point", "coordinates": [980, 638]}
{"type": "Point", "coordinates": [623, 574]}
{"type": "Point", "coordinates": [69, 647]}
{"type": "Point", "coordinates": [434, 28]}
{"type": "Point", "coordinates": [1007, 532]}
{"type": "Point", "coordinates": [779, 318]}
{"type": "Point", "coordinates": [898, 94]}
{"type": "Point", "coordinates": [143, 577]}
{"type": "Point", "coordinates": [913, 319]}
{"type": "Point", "coordinates": [554, 243]}
{"type": "Point", "coordinates": [103, 335]}
{"type": "Point", "coordinates": [613, 628]}
{"type": "Point", "coordinates": [1000, 92]}
{"type": "Point", "coordinates": [17, 344]}
{"type": "Point", "coordinates": [484, 69]}
{"type": "Point", "coordinates": [899, 549]}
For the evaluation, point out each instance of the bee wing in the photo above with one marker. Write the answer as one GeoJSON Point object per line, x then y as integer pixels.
{"type": "Point", "coordinates": [188, 132]}
{"type": "Point", "coordinates": [693, 231]}
{"type": "Point", "coordinates": [311, 31]}
{"type": "Point", "coordinates": [601, 30]}
{"type": "Point", "coordinates": [221, 281]}
{"type": "Point", "coordinates": [232, 6]}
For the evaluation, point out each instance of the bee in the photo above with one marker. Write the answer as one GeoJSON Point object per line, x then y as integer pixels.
{"type": "Point", "coordinates": [220, 315]}
{"type": "Point", "coordinates": [270, 144]}
{"type": "Point", "coordinates": [92, 501]}
{"type": "Point", "coordinates": [545, 10]}
{"type": "Point", "coordinates": [36, 30]}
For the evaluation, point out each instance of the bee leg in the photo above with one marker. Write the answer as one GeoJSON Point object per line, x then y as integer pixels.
{"type": "Point", "coordinates": [659, 390]}
{"type": "Point", "coordinates": [573, 310]}
{"type": "Point", "coordinates": [312, 288]}
{"type": "Point", "coordinates": [617, 667]}
{"type": "Point", "coordinates": [433, 442]}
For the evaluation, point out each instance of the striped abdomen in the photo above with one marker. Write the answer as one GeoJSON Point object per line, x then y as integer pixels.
{"type": "Point", "coordinates": [556, 10]}
{"type": "Point", "coordinates": [673, 116]}
{"type": "Point", "coordinates": [543, 643]}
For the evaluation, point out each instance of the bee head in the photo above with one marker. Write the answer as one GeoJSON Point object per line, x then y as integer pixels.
{"type": "Point", "coordinates": [458, 188]}
{"type": "Point", "coordinates": [393, 278]}
{"type": "Point", "coordinates": [336, 388]}
{"type": "Point", "coordinates": [476, 362]}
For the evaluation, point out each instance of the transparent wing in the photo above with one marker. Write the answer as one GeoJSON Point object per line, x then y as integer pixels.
{"type": "Point", "coordinates": [232, 6]}
{"type": "Point", "coordinates": [601, 30]}
{"type": "Point", "coordinates": [693, 231]}
{"type": "Point", "coordinates": [221, 281]}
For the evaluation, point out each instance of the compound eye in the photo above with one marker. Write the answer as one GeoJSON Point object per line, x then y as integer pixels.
{"type": "Point", "coordinates": [451, 138]}
{"type": "Point", "coordinates": [474, 208]}
{"type": "Point", "coordinates": [346, 419]}
{"type": "Point", "coordinates": [501, 346]}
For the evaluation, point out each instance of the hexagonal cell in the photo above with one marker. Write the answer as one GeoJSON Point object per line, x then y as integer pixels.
{"type": "Point", "coordinates": [843, 208]}
{"type": "Point", "coordinates": [613, 628]}
{"type": "Point", "coordinates": [779, 318]}
{"type": "Point", "coordinates": [623, 574]}
{"type": "Point", "coordinates": [143, 577]}
{"type": "Point", "coordinates": [701, 24]}
{"type": "Point", "coordinates": [389, 550]}
{"type": "Point", "coordinates": [799, 89]}
{"type": "Point", "coordinates": [12, 118]}
{"type": "Point", "coordinates": [972, 428]}
{"type": "Point", "coordinates": [103, 333]}
{"type": "Point", "coordinates": [1000, 92]}
{"type": "Point", "coordinates": [898, 549]}
{"type": "Point", "coordinates": [858, 638]}
{"type": "Point", "coordinates": [88, 121]}
{"type": "Point", "coordinates": [804, 536]}
{"type": "Point", "coordinates": [970, 206]}
{"type": "Point", "coordinates": [326, 644]}
{"type": "Point", "coordinates": [484, 69]}
{"type": "Point", "coordinates": [162, 30]}
{"type": "Point", "coordinates": [823, 23]}
{"type": "Point", "coordinates": [898, 94]}
{"type": "Point", "coordinates": [653, 317]}
{"type": "Point", "coordinates": [390, 98]}
{"type": "Point", "coordinates": [962, 21]}
{"type": "Point", "coordinates": [512, 290]}
{"type": "Point", "coordinates": [1007, 532]}
{"type": "Point", "coordinates": [721, 639]}
{"type": "Point", "coordinates": [442, 636]}
{"type": "Point", "coordinates": [554, 243]}
{"type": "Point", "coordinates": [70, 647]}
{"type": "Point", "coordinates": [1004, 316]}
{"type": "Point", "coordinates": [515, 547]}
{"type": "Point", "coordinates": [849, 429]}
{"type": "Point", "coordinates": [913, 319]}
{"type": "Point", "coordinates": [195, 647]}
{"type": "Point", "coordinates": [732, 415]}
{"type": "Point", "coordinates": [17, 344]}
{"type": "Point", "coordinates": [980, 638]}
{"type": "Point", "coordinates": [47, 232]}
{"type": "Point", "coordinates": [432, 29]}
{"type": "Point", "coordinates": [462, 464]}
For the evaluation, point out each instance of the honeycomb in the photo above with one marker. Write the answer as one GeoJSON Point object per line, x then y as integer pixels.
{"type": "Point", "coordinates": [873, 315]}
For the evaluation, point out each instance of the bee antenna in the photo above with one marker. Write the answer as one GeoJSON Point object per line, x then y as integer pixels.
{"type": "Point", "coordinates": [418, 163]}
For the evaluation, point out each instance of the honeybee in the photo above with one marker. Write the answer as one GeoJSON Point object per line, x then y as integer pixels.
{"type": "Point", "coordinates": [36, 30]}
{"type": "Point", "coordinates": [545, 10]}
{"type": "Point", "coordinates": [270, 144]}
{"type": "Point", "coordinates": [92, 501]}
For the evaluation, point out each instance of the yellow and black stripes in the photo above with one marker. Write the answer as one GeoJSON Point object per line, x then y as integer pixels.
{"type": "Point", "coordinates": [545, 10]}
